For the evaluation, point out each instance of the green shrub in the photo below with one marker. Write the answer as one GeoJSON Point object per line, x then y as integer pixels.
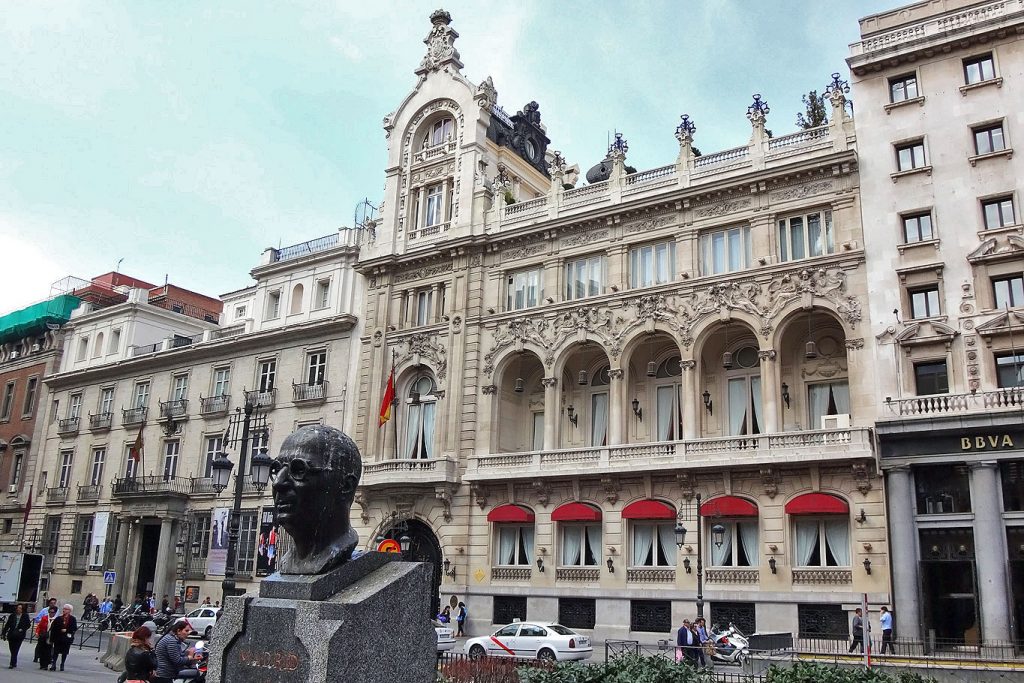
{"type": "Point", "coordinates": [811, 672]}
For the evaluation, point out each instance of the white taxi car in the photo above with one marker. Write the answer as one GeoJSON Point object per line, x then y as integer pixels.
{"type": "Point", "coordinates": [526, 639]}
{"type": "Point", "coordinates": [445, 637]}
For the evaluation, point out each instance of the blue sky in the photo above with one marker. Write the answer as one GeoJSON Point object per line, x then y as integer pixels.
{"type": "Point", "coordinates": [186, 137]}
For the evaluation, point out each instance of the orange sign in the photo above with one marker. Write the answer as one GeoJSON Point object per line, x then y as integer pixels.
{"type": "Point", "coordinates": [389, 545]}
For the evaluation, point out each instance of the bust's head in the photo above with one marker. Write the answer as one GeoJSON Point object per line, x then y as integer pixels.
{"type": "Point", "coordinates": [314, 483]}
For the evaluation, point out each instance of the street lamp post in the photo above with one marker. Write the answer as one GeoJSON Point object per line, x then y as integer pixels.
{"type": "Point", "coordinates": [718, 535]}
{"type": "Point", "coordinates": [260, 474]}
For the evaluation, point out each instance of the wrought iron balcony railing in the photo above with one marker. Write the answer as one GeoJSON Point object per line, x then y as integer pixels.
{"type": "Point", "coordinates": [153, 485]}
{"type": "Point", "coordinates": [133, 416]}
{"type": "Point", "coordinates": [176, 408]}
{"type": "Point", "coordinates": [201, 485]}
{"type": "Point", "coordinates": [89, 492]}
{"type": "Point", "coordinates": [100, 422]}
{"type": "Point", "coordinates": [68, 425]}
{"type": "Point", "coordinates": [262, 399]}
{"type": "Point", "coordinates": [210, 406]}
{"type": "Point", "coordinates": [56, 495]}
{"type": "Point", "coordinates": [309, 392]}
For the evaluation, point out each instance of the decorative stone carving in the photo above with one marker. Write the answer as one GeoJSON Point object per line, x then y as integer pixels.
{"type": "Point", "coordinates": [457, 324]}
{"type": "Point", "coordinates": [861, 476]}
{"type": "Point", "coordinates": [378, 338]}
{"type": "Point", "coordinates": [616, 373]}
{"type": "Point", "coordinates": [647, 224]}
{"type": "Point", "coordinates": [363, 502]}
{"type": "Point", "coordinates": [440, 44]}
{"type": "Point", "coordinates": [854, 344]}
{"type": "Point", "coordinates": [803, 190]}
{"type": "Point", "coordinates": [584, 237]}
{"type": "Point", "coordinates": [549, 382]}
{"type": "Point", "coordinates": [444, 495]}
{"type": "Point", "coordinates": [611, 489]}
{"type": "Point", "coordinates": [423, 272]}
{"type": "Point", "coordinates": [479, 495]}
{"type": "Point", "coordinates": [522, 252]}
{"type": "Point", "coordinates": [688, 364]}
{"type": "Point", "coordinates": [542, 490]}
{"type": "Point", "coordinates": [427, 346]}
{"type": "Point", "coordinates": [489, 389]}
{"type": "Point", "coordinates": [766, 354]}
{"type": "Point", "coordinates": [486, 94]}
{"type": "Point", "coordinates": [770, 481]}
{"type": "Point", "coordinates": [687, 483]}
{"type": "Point", "coordinates": [722, 208]}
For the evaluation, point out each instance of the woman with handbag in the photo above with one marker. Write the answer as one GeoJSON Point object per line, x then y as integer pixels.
{"type": "Point", "coordinates": [43, 636]}
{"type": "Point", "coordinates": [15, 629]}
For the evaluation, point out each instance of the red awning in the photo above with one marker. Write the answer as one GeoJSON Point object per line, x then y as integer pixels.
{"type": "Point", "coordinates": [729, 506]}
{"type": "Point", "coordinates": [648, 509]}
{"type": "Point", "coordinates": [817, 504]}
{"type": "Point", "coordinates": [510, 513]}
{"type": "Point", "coordinates": [576, 512]}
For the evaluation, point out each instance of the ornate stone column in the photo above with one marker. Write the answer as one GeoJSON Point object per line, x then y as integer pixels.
{"type": "Point", "coordinates": [899, 493]}
{"type": "Point", "coordinates": [163, 554]}
{"type": "Point", "coordinates": [616, 398]}
{"type": "Point", "coordinates": [990, 552]}
{"type": "Point", "coordinates": [552, 409]}
{"type": "Point", "coordinates": [769, 390]}
{"type": "Point", "coordinates": [691, 402]}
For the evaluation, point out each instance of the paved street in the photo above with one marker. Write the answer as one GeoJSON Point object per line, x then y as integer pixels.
{"type": "Point", "coordinates": [83, 667]}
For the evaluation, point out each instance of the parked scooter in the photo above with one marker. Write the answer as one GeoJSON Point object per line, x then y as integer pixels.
{"type": "Point", "coordinates": [731, 646]}
{"type": "Point", "coordinates": [197, 674]}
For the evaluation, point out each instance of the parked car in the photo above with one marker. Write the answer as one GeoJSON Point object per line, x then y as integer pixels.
{"type": "Point", "coordinates": [445, 637]}
{"type": "Point", "coordinates": [202, 620]}
{"type": "Point", "coordinates": [532, 640]}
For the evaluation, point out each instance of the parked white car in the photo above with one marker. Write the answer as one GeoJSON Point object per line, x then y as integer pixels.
{"type": "Point", "coordinates": [445, 637]}
{"type": "Point", "coordinates": [532, 640]}
{"type": "Point", "coordinates": [202, 620]}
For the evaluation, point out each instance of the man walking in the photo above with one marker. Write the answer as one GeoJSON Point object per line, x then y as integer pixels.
{"type": "Point", "coordinates": [685, 642]}
{"type": "Point", "coordinates": [885, 621]}
{"type": "Point", "coordinates": [858, 630]}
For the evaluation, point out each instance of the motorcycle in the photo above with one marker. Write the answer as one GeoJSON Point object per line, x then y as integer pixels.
{"type": "Point", "coordinates": [730, 646]}
{"type": "Point", "coordinates": [163, 620]}
{"type": "Point", "coordinates": [197, 674]}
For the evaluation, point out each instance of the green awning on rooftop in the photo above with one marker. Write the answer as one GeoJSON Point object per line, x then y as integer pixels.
{"type": "Point", "coordinates": [34, 319]}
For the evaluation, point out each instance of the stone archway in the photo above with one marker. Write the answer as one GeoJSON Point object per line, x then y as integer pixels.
{"type": "Point", "coordinates": [423, 547]}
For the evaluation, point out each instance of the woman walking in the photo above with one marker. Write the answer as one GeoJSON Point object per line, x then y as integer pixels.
{"type": "Point", "coordinates": [140, 660]}
{"type": "Point", "coordinates": [15, 629]}
{"type": "Point", "coordinates": [43, 636]}
{"type": "Point", "coordinates": [62, 634]}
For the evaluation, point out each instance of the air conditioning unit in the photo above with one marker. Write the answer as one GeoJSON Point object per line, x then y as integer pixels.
{"type": "Point", "coordinates": [13, 488]}
{"type": "Point", "coordinates": [840, 421]}
{"type": "Point", "coordinates": [36, 347]}
{"type": "Point", "coordinates": [14, 354]}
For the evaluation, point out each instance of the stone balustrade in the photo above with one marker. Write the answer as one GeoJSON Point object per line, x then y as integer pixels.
{"type": "Point", "coordinates": [760, 449]}
{"type": "Point", "coordinates": [408, 471]}
{"type": "Point", "coordinates": [935, 405]}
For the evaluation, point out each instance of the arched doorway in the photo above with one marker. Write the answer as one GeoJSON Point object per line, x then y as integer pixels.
{"type": "Point", "coordinates": [423, 547]}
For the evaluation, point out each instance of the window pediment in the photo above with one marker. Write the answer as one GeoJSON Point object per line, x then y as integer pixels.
{"type": "Point", "coordinates": [998, 248]}
{"type": "Point", "coordinates": [1005, 323]}
{"type": "Point", "coordinates": [925, 332]}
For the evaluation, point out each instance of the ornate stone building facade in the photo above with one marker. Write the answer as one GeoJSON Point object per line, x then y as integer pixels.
{"type": "Point", "coordinates": [575, 366]}
{"type": "Point", "coordinates": [937, 114]}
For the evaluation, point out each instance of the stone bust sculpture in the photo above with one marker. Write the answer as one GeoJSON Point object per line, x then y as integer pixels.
{"type": "Point", "coordinates": [314, 483]}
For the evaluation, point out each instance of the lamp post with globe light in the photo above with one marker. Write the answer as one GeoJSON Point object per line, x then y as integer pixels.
{"type": "Point", "coordinates": [717, 537]}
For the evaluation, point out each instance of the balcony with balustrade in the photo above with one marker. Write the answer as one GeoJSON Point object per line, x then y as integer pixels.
{"type": "Point", "coordinates": [409, 472]}
{"type": "Point", "coordinates": [310, 393]}
{"type": "Point", "coordinates": [56, 495]}
{"type": "Point", "coordinates": [68, 426]}
{"type": "Point", "coordinates": [264, 400]}
{"type": "Point", "coordinates": [101, 422]}
{"type": "Point", "coordinates": [214, 406]}
{"type": "Point", "coordinates": [152, 486]}
{"type": "Point", "coordinates": [89, 493]}
{"type": "Point", "coordinates": [133, 416]}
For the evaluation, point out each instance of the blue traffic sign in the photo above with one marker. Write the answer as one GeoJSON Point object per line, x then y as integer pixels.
{"type": "Point", "coordinates": [109, 577]}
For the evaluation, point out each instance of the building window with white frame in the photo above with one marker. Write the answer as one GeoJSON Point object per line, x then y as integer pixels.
{"type": "Point", "coordinates": [440, 132]}
{"type": "Point", "coordinates": [106, 400]}
{"type": "Point", "coordinates": [827, 398]}
{"type": "Point", "coordinates": [998, 212]}
{"type": "Point", "coordinates": [239, 312]}
{"type": "Point", "coordinates": [421, 413]}
{"type": "Point", "coordinates": [903, 88]}
{"type": "Point", "coordinates": [910, 156]}
{"type": "Point", "coordinates": [5, 413]}
{"type": "Point", "coordinates": [806, 236]}
{"type": "Point", "coordinates": [738, 547]}
{"type": "Point", "coordinates": [599, 407]}
{"type": "Point", "coordinates": [19, 462]}
{"type": "Point", "coordinates": [221, 382]}
{"type": "Point", "coordinates": [323, 293]}
{"type": "Point", "coordinates": [66, 467]}
{"type": "Point", "coordinates": [131, 465]}
{"type": "Point", "coordinates": [316, 367]}
{"type": "Point", "coordinates": [525, 288]}
{"type": "Point", "coordinates": [259, 441]}
{"type": "Point", "coordinates": [917, 227]}
{"type": "Point", "coordinates": [1010, 369]}
{"type": "Point", "coordinates": [515, 545]}
{"type": "Point", "coordinates": [267, 375]}
{"type": "Point", "coordinates": [931, 378]}
{"type": "Point", "coordinates": [99, 456]}
{"type": "Point", "coordinates": [75, 406]}
{"type": "Point", "coordinates": [538, 431]}
{"type": "Point", "coordinates": [424, 302]}
{"type": "Point", "coordinates": [979, 69]}
{"type": "Point", "coordinates": [654, 544]}
{"type": "Point", "coordinates": [989, 139]}
{"type": "Point", "coordinates": [29, 404]}
{"type": "Point", "coordinates": [581, 545]}
{"type": "Point", "coordinates": [668, 400]}
{"type": "Point", "coordinates": [434, 214]}
{"type": "Point", "coordinates": [725, 251]}
{"type": "Point", "coordinates": [273, 305]}
{"type": "Point", "coordinates": [141, 395]}
{"type": "Point", "coordinates": [214, 445]}
{"type": "Point", "coordinates": [171, 450]}
{"type": "Point", "coordinates": [179, 388]}
{"type": "Point", "coordinates": [821, 542]}
{"type": "Point", "coordinates": [924, 302]}
{"type": "Point", "coordinates": [652, 264]}
{"type": "Point", "coordinates": [743, 386]}
{"type": "Point", "coordinates": [1008, 291]}
{"type": "Point", "coordinates": [584, 277]}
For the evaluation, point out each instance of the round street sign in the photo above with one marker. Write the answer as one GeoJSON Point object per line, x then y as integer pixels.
{"type": "Point", "coordinates": [389, 545]}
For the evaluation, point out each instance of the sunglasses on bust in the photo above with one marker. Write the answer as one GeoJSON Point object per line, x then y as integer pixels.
{"type": "Point", "coordinates": [297, 468]}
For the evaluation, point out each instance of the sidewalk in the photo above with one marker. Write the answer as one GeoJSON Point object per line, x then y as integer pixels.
{"type": "Point", "coordinates": [83, 666]}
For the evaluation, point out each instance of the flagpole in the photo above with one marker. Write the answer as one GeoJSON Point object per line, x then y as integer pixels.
{"type": "Point", "coordinates": [394, 399]}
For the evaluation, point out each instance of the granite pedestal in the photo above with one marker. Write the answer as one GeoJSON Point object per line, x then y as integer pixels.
{"type": "Point", "coordinates": [365, 621]}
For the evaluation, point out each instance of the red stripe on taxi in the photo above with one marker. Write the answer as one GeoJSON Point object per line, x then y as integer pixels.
{"type": "Point", "coordinates": [502, 646]}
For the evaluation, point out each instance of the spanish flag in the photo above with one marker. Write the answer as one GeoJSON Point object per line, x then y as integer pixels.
{"type": "Point", "coordinates": [135, 452]}
{"type": "Point", "coordinates": [389, 397]}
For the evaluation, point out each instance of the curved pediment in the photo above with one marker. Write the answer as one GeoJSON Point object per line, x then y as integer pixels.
{"type": "Point", "coordinates": [1006, 322]}
{"type": "Point", "coordinates": [925, 332]}
{"type": "Point", "coordinates": [997, 248]}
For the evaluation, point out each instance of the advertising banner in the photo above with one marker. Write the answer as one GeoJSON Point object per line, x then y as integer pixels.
{"type": "Point", "coordinates": [99, 538]}
{"type": "Point", "coordinates": [266, 549]}
{"type": "Point", "coordinates": [218, 557]}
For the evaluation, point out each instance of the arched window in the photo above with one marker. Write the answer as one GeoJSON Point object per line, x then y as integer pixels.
{"type": "Point", "coordinates": [744, 393]}
{"type": "Point", "coordinates": [297, 292]}
{"type": "Point", "coordinates": [440, 132]}
{"type": "Point", "coordinates": [419, 425]}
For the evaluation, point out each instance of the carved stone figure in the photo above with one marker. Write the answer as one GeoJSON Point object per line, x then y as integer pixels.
{"type": "Point", "coordinates": [314, 483]}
